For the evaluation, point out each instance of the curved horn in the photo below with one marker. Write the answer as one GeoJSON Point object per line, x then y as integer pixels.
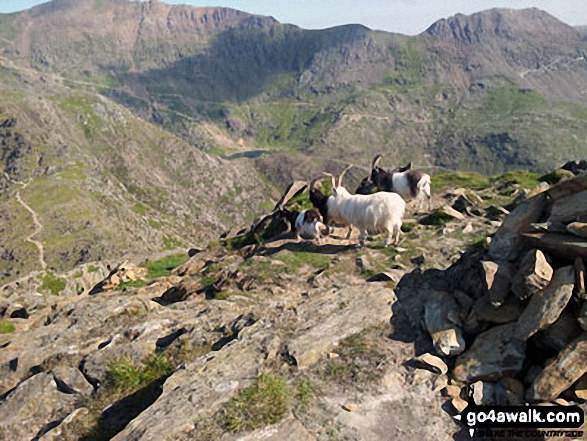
{"type": "Point", "coordinates": [334, 187]}
{"type": "Point", "coordinates": [342, 174]}
{"type": "Point", "coordinates": [376, 161]}
{"type": "Point", "coordinates": [312, 183]}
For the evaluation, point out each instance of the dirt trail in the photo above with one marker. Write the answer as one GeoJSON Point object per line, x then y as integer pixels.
{"type": "Point", "coordinates": [38, 224]}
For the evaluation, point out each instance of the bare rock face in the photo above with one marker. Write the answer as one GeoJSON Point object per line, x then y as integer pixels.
{"type": "Point", "coordinates": [494, 354]}
{"type": "Point", "coordinates": [560, 373]}
{"type": "Point", "coordinates": [506, 244]}
{"type": "Point", "coordinates": [290, 429]}
{"type": "Point", "coordinates": [35, 403]}
{"type": "Point", "coordinates": [582, 319]}
{"type": "Point", "coordinates": [61, 433]}
{"type": "Point", "coordinates": [567, 209]}
{"type": "Point", "coordinates": [513, 391]}
{"type": "Point", "coordinates": [442, 319]}
{"type": "Point", "coordinates": [498, 278]}
{"type": "Point", "coordinates": [561, 333]}
{"type": "Point", "coordinates": [432, 363]}
{"type": "Point", "coordinates": [533, 274]}
{"type": "Point", "coordinates": [71, 380]}
{"type": "Point", "coordinates": [581, 388]}
{"type": "Point", "coordinates": [484, 393]}
{"type": "Point", "coordinates": [546, 306]}
{"type": "Point", "coordinates": [483, 314]}
{"type": "Point", "coordinates": [578, 229]}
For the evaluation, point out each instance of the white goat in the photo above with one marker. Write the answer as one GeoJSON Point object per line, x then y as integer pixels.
{"type": "Point", "coordinates": [375, 213]}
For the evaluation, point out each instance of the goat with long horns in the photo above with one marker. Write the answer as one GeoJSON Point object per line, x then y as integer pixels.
{"type": "Point", "coordinates": [409, 184]}
{"type": "Point", "coordinates": [376, 213]}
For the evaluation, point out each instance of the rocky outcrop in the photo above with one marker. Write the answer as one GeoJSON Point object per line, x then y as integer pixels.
{"type": "Point", "coordinates": [534, 274]}
{"type": "Point", "coordinates": [493, 355]}
{"type": "Point", "coordinates": [546, 306]}
{"type": "Point", "coordinates": [560, 374]}
{"type": "Point", "coordinates": [523, 303]}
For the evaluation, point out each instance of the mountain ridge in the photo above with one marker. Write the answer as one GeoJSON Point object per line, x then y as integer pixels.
{"type": "Point", "coordinates": [278, 102]}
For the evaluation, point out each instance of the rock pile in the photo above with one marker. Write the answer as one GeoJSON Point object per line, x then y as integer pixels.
{"type": "Point", "coordinates": [121, 273]}
{"type": "Point", "coordinates": [510, 322]}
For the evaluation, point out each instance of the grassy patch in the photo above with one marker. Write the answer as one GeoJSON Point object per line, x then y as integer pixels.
{"type": "Point", "coordinates": [139, 283]}
{"type": "Point", "coordinates": [555, 176]}
{"type": "Point", "coordinates": [459, 179]}
{"type": "Point", "coordinates": [125, 376]}
{"type": "Point", "coordinates": [140, 209]}
{"type": "Point", "coordinates": [164, 266]}
{"type": "Point", "coordinates": [304, 393]}
{"type": "Point", "coordinates": [295, 260]}
{"type": "Point", "coordinates": [408, 226]}
{"type": "Point", "coordinates": [222, 295]}
{"type": "Point", "coordinates": [93, 268]}
{"type": "Point", "coordinates": [52, 283]}
{"type": "Point", "coordinates": [522, 178]}
{"type": "Point", "coordinates": [6, 327]}
{"type": "Point", "coordinates": [264, 402]}
{"type": "Point", "coordinates": [171, 243]}
{"type": "Point", "coordinates": [72, 173]}
{"type": "Point", "coordinates": [359, 360]}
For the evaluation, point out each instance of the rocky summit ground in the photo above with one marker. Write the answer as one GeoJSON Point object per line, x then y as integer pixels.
{"type": "Point", "coordinates": [287, 340]}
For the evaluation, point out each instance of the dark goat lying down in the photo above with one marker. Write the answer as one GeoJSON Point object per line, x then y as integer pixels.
{"type": "Point", "coordinates": [306, 224]}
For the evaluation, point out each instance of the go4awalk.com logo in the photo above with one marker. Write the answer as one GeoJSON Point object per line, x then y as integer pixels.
{"type": "Point", "coordinates": [523, 421]}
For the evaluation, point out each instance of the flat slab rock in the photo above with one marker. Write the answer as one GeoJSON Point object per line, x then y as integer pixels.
{"type": "Point", "coordinates": [494, 354]}
{"type": "Point", "coordinates": [546, 306]}
{"type": "Point", "coordinates": [290, 429]}
{"type": "Point", "coordinates": [565, 246]}
{"type": "Point", "coordinates": [35, 403]}
{"type": "Point", "coordinates": [442, 319]}
{"type": "Point", "coordinates": [333, 324]}
{"type": "Point", "coordinates": [498, 280]}
{"type": "Point", "coordinates": [560, 374]}
{"type": "Point", "coordinates": [505, 245]}
{"type": "Point", "coordinates": [533, 274]}
{"type": "Point", "coordinates": [200, 389]}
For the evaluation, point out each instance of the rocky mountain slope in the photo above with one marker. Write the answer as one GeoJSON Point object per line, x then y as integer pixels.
{"type": "Point", "coordinates": [108, 106]}
{"type": "Point", "coordinates": [83, 179]}
{"type": "Point", "coordinates": [290, 339]}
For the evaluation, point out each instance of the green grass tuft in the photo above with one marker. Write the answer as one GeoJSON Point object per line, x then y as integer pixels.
{"type": "Point", "coordinates": [6, 327]}
{"type": "Point", "coordinates": [459, 179]}
{"type": "Point", "coordinates": [555, 176]}
{"type": "Point", "coordinates": [264, 402]}
{"type": "Point", "coordinates": [359, 361]}
{"type": "Point", "coordinates": [125, 376]}
{"type": "Point", "coordinates": [164, 266]}
{"type": "Point", "coordinates": [52, 283]}
{"type": "Point", "coordinates": [139, 283]}
{"type": "Point", "coordinates": [523, 178]}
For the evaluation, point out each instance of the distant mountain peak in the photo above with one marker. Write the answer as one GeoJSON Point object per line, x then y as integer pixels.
{"type": "Point", "coordinates": [503, 23]}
